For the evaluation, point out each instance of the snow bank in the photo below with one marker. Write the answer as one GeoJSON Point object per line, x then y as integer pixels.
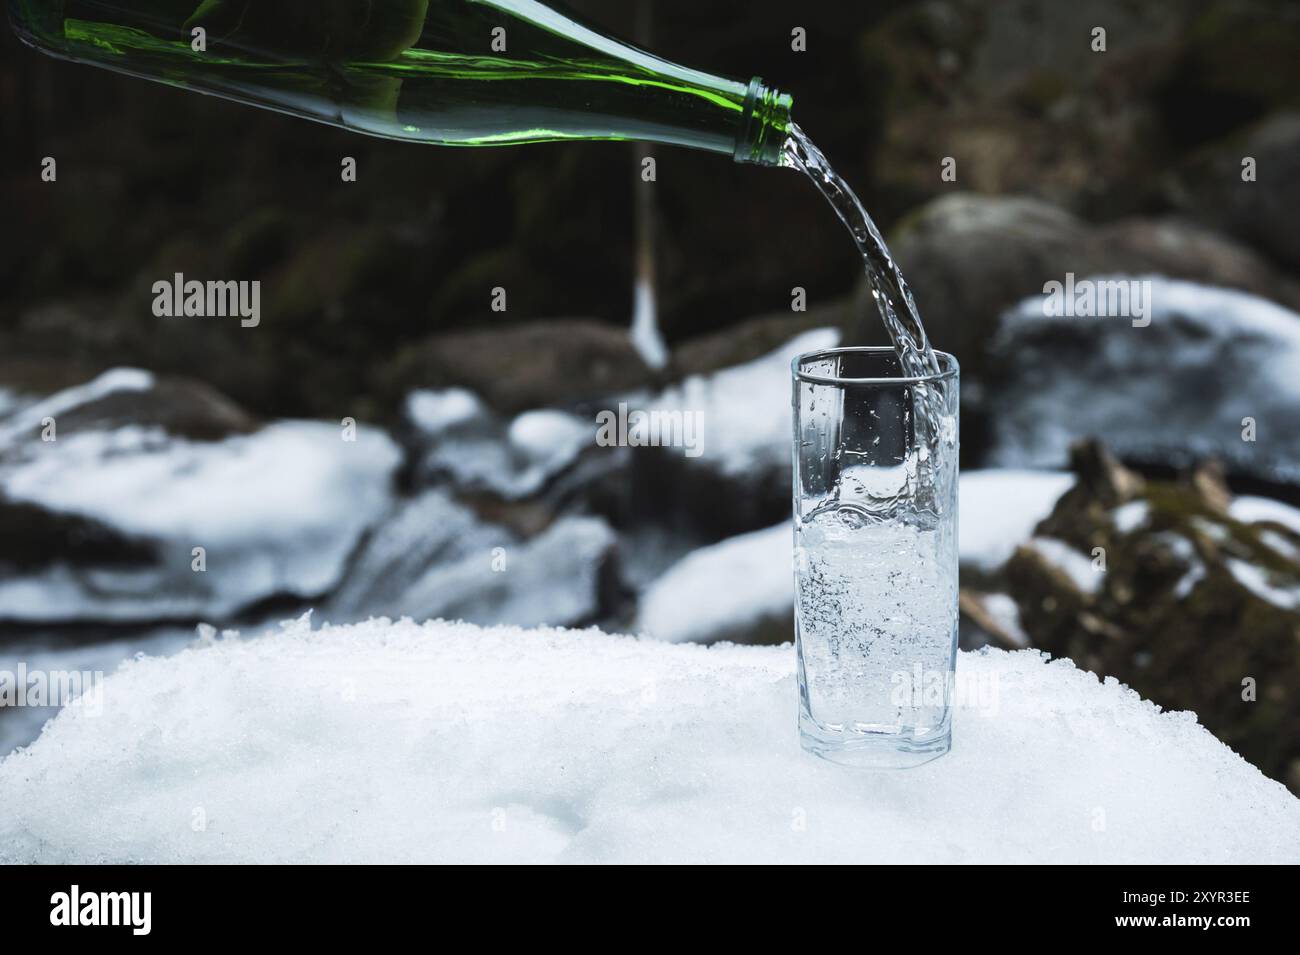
{"type": "Point", "coordinates": [443, 742]}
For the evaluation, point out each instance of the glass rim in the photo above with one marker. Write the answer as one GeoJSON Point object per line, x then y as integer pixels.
{"type": "Point", "coordinates": [948, 368]}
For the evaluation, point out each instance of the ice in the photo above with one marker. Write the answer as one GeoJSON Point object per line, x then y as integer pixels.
{"type": "Point", "coordinates": [395, 742]}
{"type": "Point", "coordinates": [999, 508]}
{"type": "Point", "coordinates": [645, 335]}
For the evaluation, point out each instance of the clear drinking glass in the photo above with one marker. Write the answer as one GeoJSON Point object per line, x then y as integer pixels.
{"type": "Point", "coordinates": [875, 538]}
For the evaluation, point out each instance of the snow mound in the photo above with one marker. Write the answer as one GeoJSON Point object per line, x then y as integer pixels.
{"type": "Point", "coordinates": [443, 742]}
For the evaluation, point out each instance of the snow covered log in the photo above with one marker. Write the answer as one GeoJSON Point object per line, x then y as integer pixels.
{"type": "Point", "coordinates": [445, 742]}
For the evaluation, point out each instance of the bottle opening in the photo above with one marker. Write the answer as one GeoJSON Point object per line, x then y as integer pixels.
{"type": "Point", "coordinates": [764, 125]}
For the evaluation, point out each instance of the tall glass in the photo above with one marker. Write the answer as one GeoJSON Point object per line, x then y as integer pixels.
{"type": "Point", "coordinates": [875, 537]}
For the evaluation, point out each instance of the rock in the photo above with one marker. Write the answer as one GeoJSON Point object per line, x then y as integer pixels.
{"type": "Point", "coordinates": [454, 438]}
{"type": "Point", "coordinates": [1017, 96]}
{"type": "Point", "coordinates": [752, 338]}
{"type": "Point", "coordinates": [968, 258]}
{"type": "Point", "coordinates": [1216, 373]}
{"type": "Point", "coordinates": [434, 557]}
{"type": "Point", "coordinates": [1160, 587]}
{"type": "Point", "coordinates": [1261, 212]}
{"type": "Point", "coordinates": [101, 523]}
{"type": "Point", "coordinates": [524, 367]}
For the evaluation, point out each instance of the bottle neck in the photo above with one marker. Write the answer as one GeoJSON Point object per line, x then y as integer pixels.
{"type": "Point", "coordinates": [764, 124]}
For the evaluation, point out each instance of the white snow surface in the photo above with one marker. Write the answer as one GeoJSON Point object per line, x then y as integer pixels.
{"type": "Point", "coordinates": [998, 509]}
{"type": "Point", "coordinates": [395, 742]}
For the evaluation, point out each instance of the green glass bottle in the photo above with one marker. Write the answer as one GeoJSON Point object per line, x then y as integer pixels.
{"type": "Point", "coordinates": [452, 72]}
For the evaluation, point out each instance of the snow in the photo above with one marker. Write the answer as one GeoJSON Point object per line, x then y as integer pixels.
{"type": "Point", "coordinates": [721, 588]}
{"type": "Point", "coordinates": [1078, 567]}
{"type": "Point", "coordinates": [434, 412]}
{"type": "Point", "coordinates": [549, 440]}
{"type": "Point", "coordinates": [389, 742]}
{"type": "Point", "coordinates": [1251, 510]}
{"type": "Point", "coordinates": [1255, 579]}
{"type": "Point", "coordinates": [1006, 614]}
{"type": "Point", "coordinates": [19, 725]}
{"type": "Point", "coordinates": [433, 557]}
{"type": "Point", "coordinates": [31, 416]}
{"type": "Point", "coordinates": [1129, 517]}
{"type": "Point", "coordinates": [277, 511]}
{"type": "Point", "coordinates": [745, 409]}
{"type": "Point", "coordinates": [999, 508]}
{"type": "Point", "coordinates": [462, 441]}
{"type": "Point", "coordinates": [1178, 390]}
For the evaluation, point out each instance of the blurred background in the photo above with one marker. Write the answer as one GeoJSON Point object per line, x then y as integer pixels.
{"type": "Point", "coordinates": [384, 443]}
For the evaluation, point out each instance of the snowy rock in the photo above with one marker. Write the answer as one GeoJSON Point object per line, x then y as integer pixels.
{"type": "Point", "coordinates": [438, 743]}
{"type": "Point", "coordinates": [971, 257]}
{"type": "Point", "coordinates": [739, 476]}
{"type": "Point", "coordinates": [1215, 374]}
{"type": "Point", "coordinates": [1161, 584]}
{"type": "Point", "coordinates": [457, 439]}
{"type": "Point", "coordinates": [737, 590]}
{"type": "Point", "coordinates": [276, 510]}
{"type": "Point", "coordinates": [433, 557]}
